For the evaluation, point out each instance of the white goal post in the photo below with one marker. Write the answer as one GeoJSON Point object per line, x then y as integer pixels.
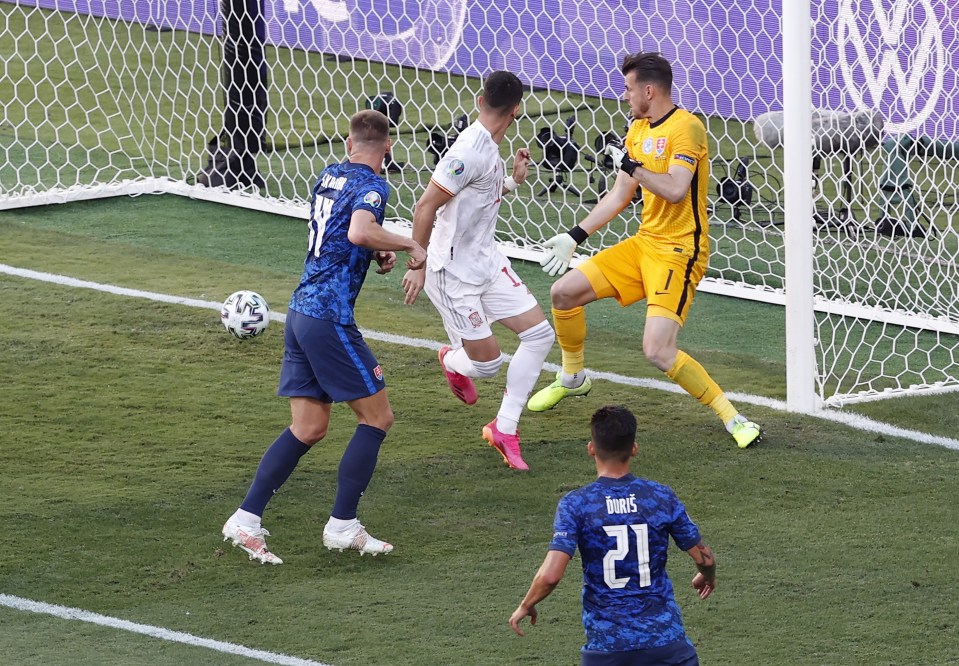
{"type": "Point", "coordinates": [834, 144]}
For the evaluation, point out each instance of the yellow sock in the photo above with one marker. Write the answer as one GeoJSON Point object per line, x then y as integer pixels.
{"type": "Point", "coordinates": [688, 373]}
{"type": "Point", "coordinates": [723, 408]}
{"type": "Point", "coordinates": [571, 333]}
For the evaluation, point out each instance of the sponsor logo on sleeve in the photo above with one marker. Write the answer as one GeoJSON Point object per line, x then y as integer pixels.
{"type": "Point", "coordinates": [373, 199]}
{"type": "Point", "coordinates": [685, 158]}
{"type": "Point", "coordinates": [456, 167]}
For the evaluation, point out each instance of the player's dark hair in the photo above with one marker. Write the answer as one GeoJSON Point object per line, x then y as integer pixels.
{"type": "Point", "coordinates": [650, 67]}
{"type": "Point", "coordinates": [502, 91]}
{"type": "Point", "coordinates": [369, 126]}
{"type": "Point", "coordinates": [614, 432]}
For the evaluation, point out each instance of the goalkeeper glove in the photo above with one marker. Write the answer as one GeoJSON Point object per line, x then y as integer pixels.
{"type": "Point", "coordinates": [561, 250]}
{"type": "Point", "coordinates": [621, 160]}
{"type": "Point", "coordinates": [616, 152]}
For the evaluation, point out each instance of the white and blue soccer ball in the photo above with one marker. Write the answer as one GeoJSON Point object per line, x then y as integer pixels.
{"type": "Point", "coordinates": [245, 314]}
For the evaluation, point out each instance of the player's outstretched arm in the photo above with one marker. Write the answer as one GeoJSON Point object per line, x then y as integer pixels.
{"type": "Point", "coordinates": [424, 215]}
{"type": "Point", "coordinates": [705, 578]}
{"type": "Point", "coordinates": [365, 232]}
{"type": "Point", "coordinates": [560, 248]}
{"type": "Point", "coordinates": [550, 573]}
{"type": "Point", "coordinates": [671, 186]}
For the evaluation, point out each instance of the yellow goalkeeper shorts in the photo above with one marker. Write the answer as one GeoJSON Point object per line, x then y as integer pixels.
{"type": "Point", "coordinates": [638, 268]}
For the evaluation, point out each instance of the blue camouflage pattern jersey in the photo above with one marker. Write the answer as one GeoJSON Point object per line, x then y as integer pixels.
{"type": "Point", "coordinates": [335, 268]}
{"type": "Point", "coordinates": [622, 529]}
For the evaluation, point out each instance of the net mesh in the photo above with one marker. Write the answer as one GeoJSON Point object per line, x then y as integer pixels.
{"type": "Point", "coordinates": [98, 92]}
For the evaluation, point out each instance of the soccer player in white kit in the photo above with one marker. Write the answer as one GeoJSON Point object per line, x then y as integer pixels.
{"type": "Point", "coordinates": [467, 278]}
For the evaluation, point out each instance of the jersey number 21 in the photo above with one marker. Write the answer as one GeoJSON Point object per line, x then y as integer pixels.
{"type": "Point", "coordinates": [621, 550]}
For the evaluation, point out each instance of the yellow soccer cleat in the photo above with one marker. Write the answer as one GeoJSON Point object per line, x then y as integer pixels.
{"type": "Point", "coordinates": [746, 433]}
{"type": "Point", "coordinates": [550, 396]}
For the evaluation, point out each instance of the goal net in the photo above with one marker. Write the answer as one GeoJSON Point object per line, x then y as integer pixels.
{"type": "Point", "coordinates": [103, 97]}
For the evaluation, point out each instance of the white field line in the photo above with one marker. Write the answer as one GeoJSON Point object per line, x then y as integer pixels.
{"type": "Point", "coordinates": [851, 420]}
{"type": "Point", "coordinates": [66, 613]}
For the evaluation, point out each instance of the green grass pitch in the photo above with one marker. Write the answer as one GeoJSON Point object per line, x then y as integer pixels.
{"type": "Point", "coordinates": [130, 430]}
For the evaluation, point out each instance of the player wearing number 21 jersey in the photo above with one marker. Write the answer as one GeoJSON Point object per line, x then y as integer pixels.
{"type": "Point", "coordinates": [622, 525]}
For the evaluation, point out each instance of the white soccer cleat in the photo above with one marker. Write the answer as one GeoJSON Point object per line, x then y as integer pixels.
{"type": "Point", "coordinates": [251, 540]}
{"type": "Point", "coordinates": [355, 538]}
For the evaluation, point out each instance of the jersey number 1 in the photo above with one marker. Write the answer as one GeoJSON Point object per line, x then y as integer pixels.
{"type": "Point", "coordinates": [621, 550]}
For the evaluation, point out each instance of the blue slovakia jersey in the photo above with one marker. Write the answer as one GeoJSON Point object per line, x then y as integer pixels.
{"type": "Point", "coordinates": [335, 268]}
{"type": "Point", "coordinates": [622, 529]}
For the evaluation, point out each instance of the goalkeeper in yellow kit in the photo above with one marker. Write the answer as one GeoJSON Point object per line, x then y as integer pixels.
{"type": "Point", "coordinates": [665, 154]}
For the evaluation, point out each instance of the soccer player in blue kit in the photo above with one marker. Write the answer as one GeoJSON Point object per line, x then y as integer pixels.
{"type": "Point", "coordinates": [326, 359]}
{"type": "Point", "coordinates": [622, 525]}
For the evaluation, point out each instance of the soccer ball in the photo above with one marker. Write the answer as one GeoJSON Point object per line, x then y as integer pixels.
{"type": "Point", "coordinates": [245, 314]}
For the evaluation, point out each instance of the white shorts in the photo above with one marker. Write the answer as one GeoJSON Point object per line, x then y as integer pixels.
{"type": "Point", "coordinates": [469, 309]}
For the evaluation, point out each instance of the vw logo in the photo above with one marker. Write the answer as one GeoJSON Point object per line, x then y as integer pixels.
{"type": "Point", "coordinates": [908, 52]}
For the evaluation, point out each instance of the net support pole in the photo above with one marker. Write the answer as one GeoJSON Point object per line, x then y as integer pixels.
{"type": "Point", "coordinates": [244, 77]}
{"type": "Point", "coordinates": [801, 394]}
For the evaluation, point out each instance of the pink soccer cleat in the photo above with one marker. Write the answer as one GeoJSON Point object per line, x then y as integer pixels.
{"type": "Point", "coordinates": [461, 385]}
{"type": "Point", "coordinates": [507, 445]}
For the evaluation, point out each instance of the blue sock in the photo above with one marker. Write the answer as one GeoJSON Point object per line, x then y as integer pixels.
{"type": "Point", "coordinates": [356, 470]}
{"type": "Point", "coordinates": [275, 468]}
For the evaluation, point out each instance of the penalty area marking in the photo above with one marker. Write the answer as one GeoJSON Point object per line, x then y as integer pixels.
{"type": "Point", "coordinates": [66, 613]}
{"type": "Point", "coordinates": [851, 420]}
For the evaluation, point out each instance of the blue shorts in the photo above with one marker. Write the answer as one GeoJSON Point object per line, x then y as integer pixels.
{"type": "Point", "coordinates": [680, 653]}
{"type": "Point", "coordinates": [327, 361]}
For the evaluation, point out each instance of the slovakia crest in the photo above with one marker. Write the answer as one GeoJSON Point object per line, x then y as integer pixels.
{"type": "Point", "coordinates": [660, 146]}
{"type": "Point", "coordinates": [378, 373]}
{"type": "Point", "coordinates": [456, 167]}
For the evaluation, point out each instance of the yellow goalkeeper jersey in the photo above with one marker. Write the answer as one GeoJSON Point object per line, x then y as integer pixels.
{"type": "Point", "coordinates": [679, 138]}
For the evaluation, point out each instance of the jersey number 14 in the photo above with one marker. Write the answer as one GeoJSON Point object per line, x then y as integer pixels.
{"type": "Point", "coordinates": [321, 213]}
{"type": "Point", "coordinates": [621, 550]}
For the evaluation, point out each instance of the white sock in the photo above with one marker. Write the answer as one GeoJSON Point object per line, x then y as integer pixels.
{"type": "Point", "coordinates": [339, 525]}
{"type": "Point", "coordinates": [521, 375]}
{"type": "Point", "coordinates": [245, 518]}
{"type": "Point", "coordinates": [574, 380]}
{"type": "Point", "coordinates": [506, 423]}
{"type": "Point", "coordinates": [458, 361]}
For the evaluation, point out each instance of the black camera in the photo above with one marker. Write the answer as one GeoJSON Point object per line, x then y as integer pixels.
{"type": "Point", "coordinates": [387, 104]}
{"type": "Point", "coordinates": [737, 190]}
{"type": "Point", "coordinates": [603, 140]}
{"type": "Point", "coordinates": [560, 152]}
{"type": "Point", "coordinates": [440, 143]}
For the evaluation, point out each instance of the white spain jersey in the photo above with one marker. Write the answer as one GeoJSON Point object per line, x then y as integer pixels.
{"type": "Point", "coordinates": [463, 239]}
